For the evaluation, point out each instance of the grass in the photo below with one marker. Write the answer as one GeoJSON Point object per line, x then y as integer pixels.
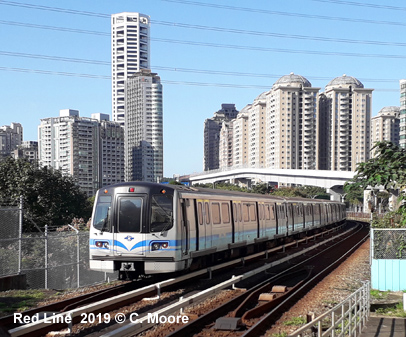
{"type": "Point", "coordinates": [295, 321]}
{"type": "Point", "coordinates": [395, 311]}
{"type": "Point", "coordinates": [379, 295]}
{"type": "Point", "coordinates": [19, 300]}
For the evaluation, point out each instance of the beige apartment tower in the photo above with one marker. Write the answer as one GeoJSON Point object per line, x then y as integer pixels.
{"type": "Point", "coordinates": [292, 122]}
{"type": "Point", "coordinates": [345, 107]}
{"type": "Point", "coordinates": [385, 126]}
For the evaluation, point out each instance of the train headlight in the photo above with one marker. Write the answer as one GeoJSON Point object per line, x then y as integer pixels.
{"type": "Point", "coordinates": [102, 244]}
{"type": "Point", "coordinates": [159, 245]}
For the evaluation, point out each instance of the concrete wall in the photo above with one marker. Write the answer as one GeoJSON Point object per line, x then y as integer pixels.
{"type": "Point", "coordinates": [13, 282]}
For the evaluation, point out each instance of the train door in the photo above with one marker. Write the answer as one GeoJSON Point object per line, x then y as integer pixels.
{"type": "Point", "coordinates": [238, 224]}
{"type": "Point", "coordinates": [289, 217]}
{"type": "Point", "coordinates": [261, 220]}
{"type": "Point", "coordinates": [207, 224]}
{"type": "Point", "coordinates": [188, 226]}
{"type": "Point", "coordinates": [128, 234]}
{"type": "Point", "coordinates": [201, 225]}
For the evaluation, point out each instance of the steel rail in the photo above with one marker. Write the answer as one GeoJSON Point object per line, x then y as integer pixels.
{"type": "Point", "coordinates": [40, 327]}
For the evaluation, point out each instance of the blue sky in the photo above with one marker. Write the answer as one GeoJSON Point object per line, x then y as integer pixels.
{"type": "Point", "coordinates": [247, 47]}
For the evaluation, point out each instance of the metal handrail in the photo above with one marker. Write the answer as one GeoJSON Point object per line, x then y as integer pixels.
{"type": "Point", "coordinates": [346, 319]}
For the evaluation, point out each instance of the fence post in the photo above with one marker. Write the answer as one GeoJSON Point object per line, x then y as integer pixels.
{"type": "Point", "coordinates": [46, 256]}
{"type": "Point", "coordinates": [78, 255]}
{"type": "Point", "coordinates": [20, 235]}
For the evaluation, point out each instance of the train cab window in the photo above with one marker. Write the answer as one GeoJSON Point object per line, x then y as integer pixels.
{"type": "Point", "coordinates": [200, 213]}
{"type": "Point", "coordinates": [215, 213]}
{"type": "Point", "coordinates": [225, 212]}
{"type": "Point", "coordinates": [161, 213]}
{"type": "Point", "coordinates": [129, 215]}
{"type": "Point", "coordinates": [101, 220]}
{"type": "Point", "coordinates": [207, 211]}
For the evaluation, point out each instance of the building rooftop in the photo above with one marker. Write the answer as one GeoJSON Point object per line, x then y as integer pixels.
{"type": "Point", "coordinates": [292, 79]}
{"type": "Point", "coordinates": [345, 81]}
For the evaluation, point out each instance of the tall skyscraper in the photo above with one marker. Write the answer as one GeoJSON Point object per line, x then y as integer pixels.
{"type": "Point", "coordinates": [346, 106]}
{"type": "Point", "coordinates": [291, 122]}
{"type": "Point", "coordinates": [130, 52]}
{"type": "Point", "coordinates": [402, 132]}
{"type": "Point", "coordinates": [91, 150]}
{"type": "Point", "coordinates": [212, 127]}
{"type": "Point", "coordinates": [144, 128]}
{"type": "Point", "coordinates": [385, 126]}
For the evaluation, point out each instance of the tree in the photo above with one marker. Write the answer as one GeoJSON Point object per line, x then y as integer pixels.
{"type": "Point", "coordinates": [287, 192]}
{"type": "Point", "coordinates": [386, 169]}
{"type": "Point", "coordinates": [312, 191]}
{"type": "Point", "coordinates": [49, 197]}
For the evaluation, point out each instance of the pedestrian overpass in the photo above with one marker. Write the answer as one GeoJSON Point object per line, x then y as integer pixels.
{"type": "Point", "coordinates": [330, 180]}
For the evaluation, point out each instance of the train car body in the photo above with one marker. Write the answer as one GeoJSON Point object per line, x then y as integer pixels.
{"type": "Point", "coordinates": [146, 228]}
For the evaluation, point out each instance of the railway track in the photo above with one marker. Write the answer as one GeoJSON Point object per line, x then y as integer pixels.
{"type": "Point", "coordinates": [248, 317]}
{"type": "Point", "coordinates": [74, 312]}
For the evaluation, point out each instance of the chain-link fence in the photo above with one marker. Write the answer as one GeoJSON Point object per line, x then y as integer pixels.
{"type": "Point", "coordinates": [9, 243]}
{"type": "Point", "coordinates": [50, 259]}
{"type": "Point", "coordinates": [388, 243]}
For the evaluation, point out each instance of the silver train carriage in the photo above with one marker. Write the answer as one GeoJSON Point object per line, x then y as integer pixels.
{"type": "Point", "coordinates": [147, 228]}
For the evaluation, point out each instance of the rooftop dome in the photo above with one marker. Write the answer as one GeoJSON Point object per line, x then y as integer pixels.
{"type": "Point", "coordinates": [292, 78]}
{"type": "Point", "coordinates": [345, 80]}
{"type": "Point", "coordinates": [389, 111]}
{"type": "Point", "coordinates": [261, 96]}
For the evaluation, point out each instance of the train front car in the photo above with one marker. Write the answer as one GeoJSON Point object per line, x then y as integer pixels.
{"type": "Point", "coordinates": [134, 230]}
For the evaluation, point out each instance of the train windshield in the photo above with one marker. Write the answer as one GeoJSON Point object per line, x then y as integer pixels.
{"type": "Point", "coordinates": [101, 218]}
{"type": "Point", "coordinates": [161, 213]}
{"type": "Point", "coordinates": [129, 217]}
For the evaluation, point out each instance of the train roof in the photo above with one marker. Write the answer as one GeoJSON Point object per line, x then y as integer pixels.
{"type": "Point", "coordinates": [209, 191]}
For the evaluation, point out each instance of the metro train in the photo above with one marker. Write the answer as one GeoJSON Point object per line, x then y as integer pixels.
{"type": "Point", "coordinates": [141, 228]}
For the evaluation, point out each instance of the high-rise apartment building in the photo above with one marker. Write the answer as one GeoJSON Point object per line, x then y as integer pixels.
{"type": "Point", "coordinates": [28, 150]}
{"type": "Point", "coordinates": [402, 112]}
{"type": "Point", "coordinates": [257, 132]}
{"type": "Point", "coordinates": [241, 137]}
{"type": "Point", "coordinates": [291, 121]}
{"type": "Point", "coordinates": [111, 150]}
{"type": "Point", "coordinates": [144, 128]}
{"type": "Point", "coordinates": [89, 149]}
{"type": "Point", "coordinates": [385, 126]}
{"type": "Point", "coordinates": [346, 108]}
{"type": "Point", "coordinates": [130, 52]}
{"type": "Point", "coordinates": [226, 145]}
{"type": "Point", "coordinates": [212, 127]}
{"type": "Point", "coordinates": [11, 137]}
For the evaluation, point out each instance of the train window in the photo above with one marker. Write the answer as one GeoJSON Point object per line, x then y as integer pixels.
{"type": "Point", "coordinates": [225, 212]}
{"type": "Point", "coordinates": [272, 212]}
{"type": "Point", "coordinates": [101, 220]}
{"type": "Point", "coordinates": [245, 213]}
{"type": "Point", "coordinates": [161, 212]}
{"type": "Point", "coordinates": [239, 210]}
{"type": "Point", "coordinates": [207, 211]}
{"type": "Point", "coordinates": [215, 213]}
{"type": "Point", "coordinates": [267, 212]}
{"type": "Point", "coordinates": [253, 213]}
{"type": "Point", "coordinates": [129, 216]}
{"type": "Point", "coordinates": [200, 213]}
{"type": "Point", "coordinates": [261, 212]}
